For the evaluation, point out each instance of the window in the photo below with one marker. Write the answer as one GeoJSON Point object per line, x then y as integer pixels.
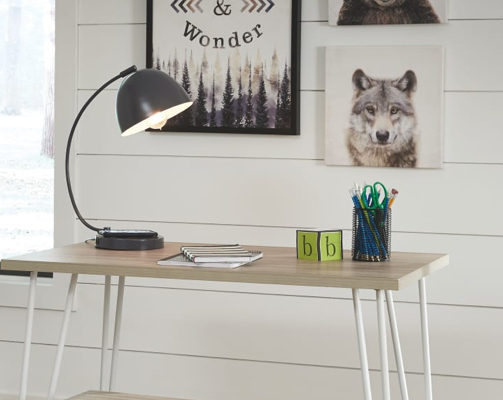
{"type": "Point", "coordinates": [26, 126]}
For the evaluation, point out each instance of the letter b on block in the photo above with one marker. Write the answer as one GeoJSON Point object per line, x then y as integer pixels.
{"type": "Point", "coordinates": [319, 245]}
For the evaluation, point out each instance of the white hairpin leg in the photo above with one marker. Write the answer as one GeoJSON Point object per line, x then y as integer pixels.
{"type": "Point", "coordinates": [396, 345]}
{"type": "Point", "coordinates": [106, 324]}
{"type": "Point", "coordinates": [117, 332]}
{"type": "Point", "coordinates": [364, 365]}
{"type": "Point", "coordinates": [426, 339]}
{"type": "Point", "coordinates": [62, 337]}
{"type": "Point", "coordinates": [381, 323]}
{"type": "Point", "coordinates": [27, 340]}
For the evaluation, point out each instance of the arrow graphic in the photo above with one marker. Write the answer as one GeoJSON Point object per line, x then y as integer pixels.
{"type": "Point", "coordinates": [182, 7]}
{"type": "Point", "coordinates": [271, 5]}
{"type": "Point", "coordinates": [173, 6]}
{"type": "Point", "coordinates": [255, 4]}
{"type": "Point", "coordinates": [245, 6]}
{"type": "Point", "coordinates": [262, 6]}
{"type": "Point", "coordinates": [198, 7]}
{"type": "Point", "coordinates": [189, 5]}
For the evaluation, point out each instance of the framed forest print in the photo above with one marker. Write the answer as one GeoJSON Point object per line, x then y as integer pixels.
{"type": "Point", "coordinates": [237, 59]}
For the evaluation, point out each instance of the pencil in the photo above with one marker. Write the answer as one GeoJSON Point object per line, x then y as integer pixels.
{"type": "Point", "coordinates": [394, 193]}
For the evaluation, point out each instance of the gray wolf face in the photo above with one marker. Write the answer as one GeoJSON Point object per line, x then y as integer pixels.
{"type": "Point", "coordinates": [383, 109]}
{"type": "Point", "coordinates": [382, 128]}
{"type": "Point", "coordinates": [384, 3]}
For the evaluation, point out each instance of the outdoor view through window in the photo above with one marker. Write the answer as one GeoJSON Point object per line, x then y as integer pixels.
{"type": "Point", "coordinates": [26, 126]}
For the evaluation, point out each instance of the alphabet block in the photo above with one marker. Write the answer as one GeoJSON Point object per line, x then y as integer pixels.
{"type": "Point", "coordinates": [319, 245]}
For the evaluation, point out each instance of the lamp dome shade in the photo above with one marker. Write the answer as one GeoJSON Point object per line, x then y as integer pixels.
{"type": "Point", "coordinates": [147, 97]}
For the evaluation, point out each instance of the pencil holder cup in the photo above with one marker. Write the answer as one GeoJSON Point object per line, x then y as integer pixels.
{"type": "Point", "coordinates": [371, 235]}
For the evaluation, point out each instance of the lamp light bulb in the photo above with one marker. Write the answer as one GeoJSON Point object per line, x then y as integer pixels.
{"type": "Point", "coordinates": [157, 121]}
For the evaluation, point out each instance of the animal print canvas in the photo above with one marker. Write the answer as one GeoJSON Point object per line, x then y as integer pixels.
{"type": "Point", "coordinates": [384, 106]}
{"type": "Point", "coordinates": [387, 12]}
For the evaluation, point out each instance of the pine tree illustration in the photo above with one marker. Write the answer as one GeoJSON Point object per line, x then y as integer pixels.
{"type": "Point", "coordinates": [247, 67]}
{"type": "Point", "coordinates": [201, 114]}
{"type": "Point", "coordinates": [204, 63]}
{"type": "Point", "coordinates": [277, 122]}
{"type": "Point", "coordinates": [213, 112]}
{"type": "Point", "coordinates": [274, 74]}
{"type": "Point", "coordinates": [258, 68]}
{"type": "Point", "coordinates": [228, 101]}
{"type": "Point", "coordinates": [158, 63]}
{"type": "Point", "coordinates": [262, 120]}
{"type": "Point", "coordinates": [169, 66]}
{"type": "Point", "coordinates": [235, 63]}
{"type": "Point", "coordinates": [176, 67]}
{"type": "Point", "coordinates": [193, 72]}
{"type": "Point", "coordinates": [205, 69]}
{"type": "Point", "coordinates": [219, 78]}
{"type": "Point", "coordinates": [239, 106]}
{"type": "Point", "coordinates": [164, 65]}
{"type": "Point", "coordinates": [249, 102]}
{"type": "Point", "coordinates": [185, 118]}
{"type": "Point", "coordinates": [285, 104]}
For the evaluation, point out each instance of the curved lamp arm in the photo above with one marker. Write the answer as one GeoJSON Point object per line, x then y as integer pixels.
{"type": "Point", "coordinates": [123, 74]}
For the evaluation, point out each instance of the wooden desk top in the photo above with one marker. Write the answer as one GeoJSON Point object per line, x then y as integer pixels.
{"type": "Point", "coordinates": [279, 266]}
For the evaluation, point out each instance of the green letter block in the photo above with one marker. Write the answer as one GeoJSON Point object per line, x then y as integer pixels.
{"type": "Point", "coordinates": [307, 245]}
{"type": "Point", "coordinates": [319, 245]}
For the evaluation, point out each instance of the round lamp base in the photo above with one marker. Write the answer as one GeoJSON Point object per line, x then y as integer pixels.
{"type": "Point", "coordinates": [114, 243]}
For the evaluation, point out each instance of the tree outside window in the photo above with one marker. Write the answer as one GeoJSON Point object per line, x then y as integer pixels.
{"type": "Point", "coordinates": [26, 126]}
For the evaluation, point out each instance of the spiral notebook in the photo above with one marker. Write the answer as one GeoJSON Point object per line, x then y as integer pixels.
{"type": "Point", "coordinates": [214, 256]}
{"type": "Point", "coordinates": [220, 253]}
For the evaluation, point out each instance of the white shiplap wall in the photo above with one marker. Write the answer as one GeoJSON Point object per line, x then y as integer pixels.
{"type": "Point", "coordinates": [226, 341]}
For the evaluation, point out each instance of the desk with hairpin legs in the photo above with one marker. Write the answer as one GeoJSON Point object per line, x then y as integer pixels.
{"type": "Point", "coordinates": [279, 266]}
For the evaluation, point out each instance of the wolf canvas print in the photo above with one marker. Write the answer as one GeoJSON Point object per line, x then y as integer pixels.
{"type": "Point", "coordinates": [387, 113]}
{"type": "Point", "coordinates": [383, 123]}
{"type": "Point", "coordinates": [387, 12]}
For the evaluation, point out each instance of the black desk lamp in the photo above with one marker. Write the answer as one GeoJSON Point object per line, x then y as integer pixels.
{"type": "Point", "coordinates": [146, 99]}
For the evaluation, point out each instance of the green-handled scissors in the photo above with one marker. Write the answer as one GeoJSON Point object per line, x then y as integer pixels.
{"type": "Point", "coordinates": [374, 196]}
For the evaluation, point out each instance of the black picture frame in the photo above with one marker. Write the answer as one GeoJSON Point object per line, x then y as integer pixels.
{"type": "Point", "coordinates": [284, 122]}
